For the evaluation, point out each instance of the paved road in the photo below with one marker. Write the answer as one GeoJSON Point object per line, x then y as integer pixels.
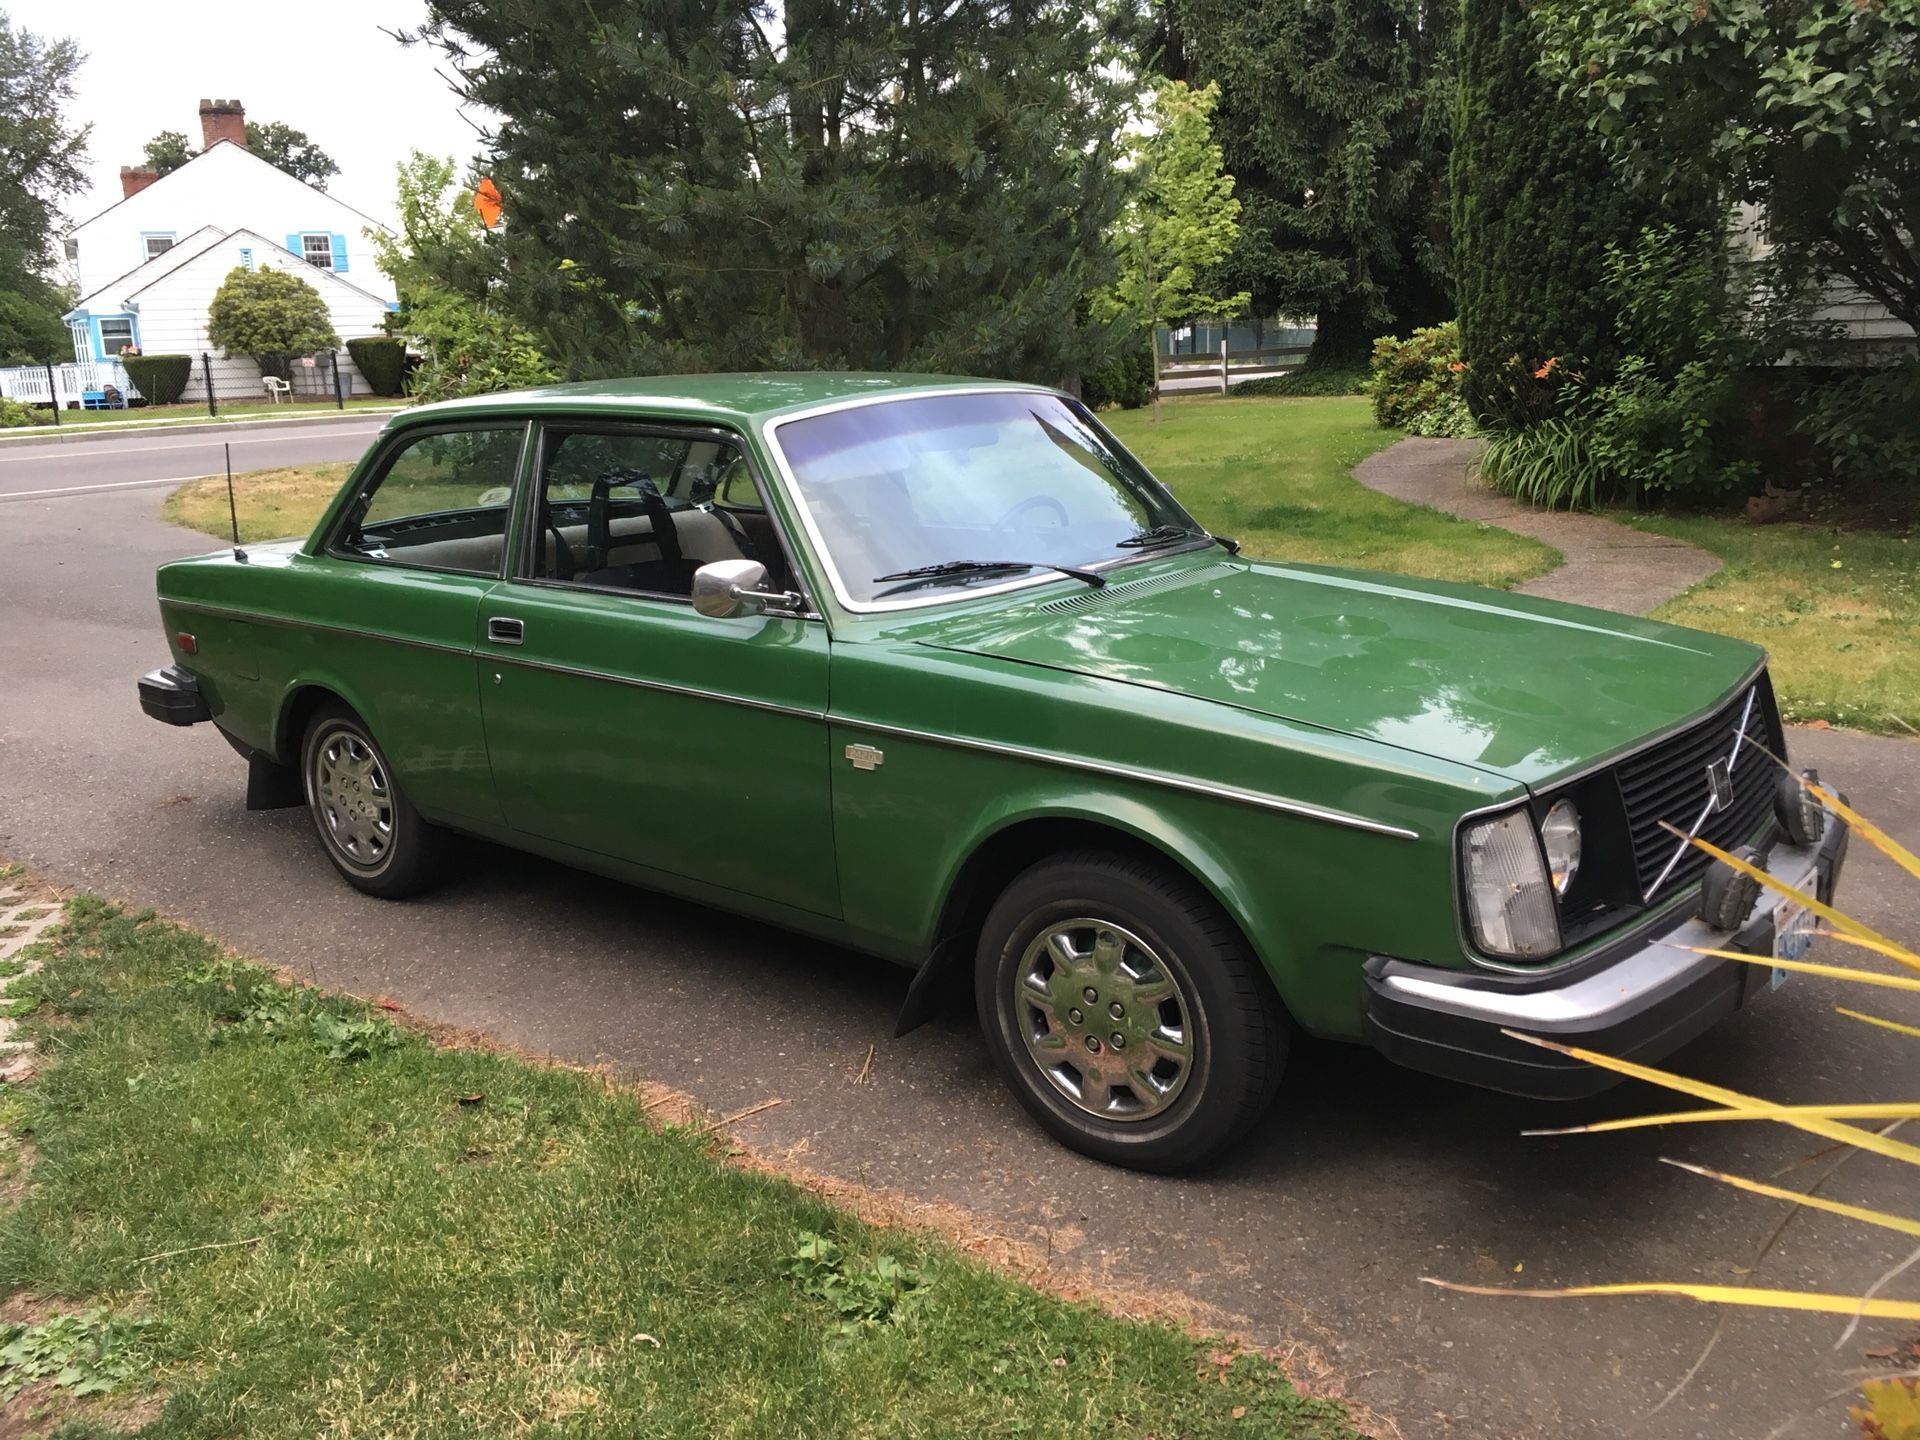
{"type": "Point", "coordinates": [154, 457]}
{"type": "Point", "coordinates": [1364, 1179]}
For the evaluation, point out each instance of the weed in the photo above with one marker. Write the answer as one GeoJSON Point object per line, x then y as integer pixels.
{"type": "Point", "coordinates": [881, 1291]}
{"type": "Point", "coordinates": [84, 1354]}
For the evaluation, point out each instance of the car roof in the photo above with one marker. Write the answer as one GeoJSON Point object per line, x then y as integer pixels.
{"type": "Point", "coordinates": [738, 397]}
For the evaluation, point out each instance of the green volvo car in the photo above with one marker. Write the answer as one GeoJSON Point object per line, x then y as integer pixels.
{"type": "Point", "coordinates": [934, 668]}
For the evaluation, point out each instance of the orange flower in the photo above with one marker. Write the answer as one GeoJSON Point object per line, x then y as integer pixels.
{"type": "Point", "coordinates": [1457, 366]}
{"type": "Point", "coordinates": [1547, 369]}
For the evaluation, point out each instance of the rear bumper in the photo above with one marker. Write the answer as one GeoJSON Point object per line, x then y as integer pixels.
{"type": "Point", "coordinates": [172, 695]}
{"type": "Point", "coordinates": [1640, 1003]}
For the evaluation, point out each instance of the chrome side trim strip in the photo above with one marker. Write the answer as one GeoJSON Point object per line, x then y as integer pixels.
{"type": "Point", "coordinates": [521, 662]}
{"type": "Point", "coordinates": [1297, 808]}
{"type": "Point", "coordinates": [287, 622]}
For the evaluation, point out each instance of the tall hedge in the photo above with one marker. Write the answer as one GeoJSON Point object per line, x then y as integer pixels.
{"type": "Point", "coordinates": [1534, 209]}
{"type": "Point", "coordinates": [160, 379]}
{"type": "Point", "coordinates": [381, 360]}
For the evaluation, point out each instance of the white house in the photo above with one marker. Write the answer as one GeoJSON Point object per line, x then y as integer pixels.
{"type": "Point", "coordinates": [148, 265]}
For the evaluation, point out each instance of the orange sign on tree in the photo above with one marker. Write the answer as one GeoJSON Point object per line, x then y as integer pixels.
{"type": "Point", "coordinates": [486, 200]}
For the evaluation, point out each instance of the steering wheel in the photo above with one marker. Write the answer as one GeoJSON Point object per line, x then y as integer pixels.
{"type": "Point", "coordinates": [1032, 502]}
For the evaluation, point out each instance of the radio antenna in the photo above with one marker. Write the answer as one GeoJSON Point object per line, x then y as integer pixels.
{"type": "Point", "coordinates": [233, 512]}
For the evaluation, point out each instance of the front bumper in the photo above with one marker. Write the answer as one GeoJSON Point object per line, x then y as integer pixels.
{"type": "Point", "coordinates": [172, 695]}
{"type": "Point", "coordinates": [1639, 1002]}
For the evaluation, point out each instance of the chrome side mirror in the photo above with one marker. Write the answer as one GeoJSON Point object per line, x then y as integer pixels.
{"type": "Point", "coordinates": [724, 589]}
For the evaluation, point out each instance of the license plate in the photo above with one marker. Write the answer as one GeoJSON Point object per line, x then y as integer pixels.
{"type": "Point", "coordinates": [1792, 937]}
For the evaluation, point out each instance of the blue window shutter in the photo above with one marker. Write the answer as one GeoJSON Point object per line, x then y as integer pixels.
{"type": "Point", "coordinates": [246, 256]}
{"type": "Point", "coordinates": [339, 254]}
{"type": "Point", "coordinates": [293, 244]}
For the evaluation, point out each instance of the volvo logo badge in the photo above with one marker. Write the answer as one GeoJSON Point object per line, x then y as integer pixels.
{"type": "Point", "coordinates": [1720, 785]}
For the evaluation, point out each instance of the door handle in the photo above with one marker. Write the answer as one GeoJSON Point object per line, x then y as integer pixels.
{"type": "Point", "coordinates": [504, 630]}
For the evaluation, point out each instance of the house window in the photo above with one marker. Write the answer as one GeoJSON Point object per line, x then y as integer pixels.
{"type": "Point", "coordinates": [73, 251]}
{"type": "Point", "coordinates": [157, 244]}
{"type": "Point", "coordinates": [115, 331]}
{"type": "Point", "coordinates": [317, 250]}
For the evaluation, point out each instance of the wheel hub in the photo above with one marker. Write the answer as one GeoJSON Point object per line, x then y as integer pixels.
{"type": "Point", "coordinates": [354, 799]}
{"type": "Point", "coordinates": [1104, 1018]}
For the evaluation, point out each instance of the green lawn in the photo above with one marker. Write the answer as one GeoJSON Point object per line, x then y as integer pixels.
{"type": "Point", "coordinates": [1277, 475]}
{"type": "Point", "coordinates": [1838, 609]}
{"type": "Point", "coordinates": [306, 1221]}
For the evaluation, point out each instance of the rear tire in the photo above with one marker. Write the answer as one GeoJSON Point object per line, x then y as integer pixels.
{"type": "Point", "coordinates": [367, 826]}
{"type": "Point", "coordinates": [1125, 1010]}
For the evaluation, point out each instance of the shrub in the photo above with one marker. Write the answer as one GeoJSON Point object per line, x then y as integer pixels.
{"type": "Point", "coordinates": [160, 379]}
{"type": "Point", "coordinates": [12, 412]}
{"type": "Point", "coordinates": [1317, 380]}
{"type": "Point", "coordinates": [1415, 383]}
{"type": "Point", "coordinates": [271, 315]}
{"type": "Point", "coordinates": [1125, 380]}
{"type": "Point", "coordinates": [1861, 424]}
{"type": "Point", "coordinates": [1548, 464]}
{"type": "Point", "coordinates": [382, 360]}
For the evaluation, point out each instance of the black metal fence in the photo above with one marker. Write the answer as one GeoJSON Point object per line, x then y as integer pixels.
{"type": "Point", "coordinates": [236, 380]}
{"type": "Point", "coordinates": [214, 382]}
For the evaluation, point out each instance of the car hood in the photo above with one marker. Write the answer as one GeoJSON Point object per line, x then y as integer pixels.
{"type": "Point", "coordinates": [1522, 688]}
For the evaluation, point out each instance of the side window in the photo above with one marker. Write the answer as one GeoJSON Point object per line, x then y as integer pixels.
{"type": "Point", "coordinates": [642, 512]}
{"type": "Point", "coordinates": [441, 503]}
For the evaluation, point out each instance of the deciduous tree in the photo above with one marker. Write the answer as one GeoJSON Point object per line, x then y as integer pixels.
{"type": "Point", "coordinates": [271, 315]}
{"type": "Point", "coordinates": [1806, 108]}
{"type": "Point", "coordinates": [275, 142]}
{"type": "Point", "coordinates": [1334, 121]}
{"type": "Point", "coordinates": [1180, 224]}
{"type": "Point", "coordinates": [41, 156]}
{"type": "Point", "coordinates": [448, 270]}
{"type": "Point", "coordinates": [878, 184]}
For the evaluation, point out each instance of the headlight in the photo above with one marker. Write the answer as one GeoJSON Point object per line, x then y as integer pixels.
{"type": "Point", "coordinates": [1509, 897]}
{"type": "Point", "coordinates": [1560, 838]}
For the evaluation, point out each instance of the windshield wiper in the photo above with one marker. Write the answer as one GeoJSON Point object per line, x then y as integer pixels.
{"type": "Point", "coordinates": [927, 574]}
{"type": "Point", "coordinates": [1155, 535]}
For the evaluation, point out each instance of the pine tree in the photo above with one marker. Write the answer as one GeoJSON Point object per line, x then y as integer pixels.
{"type": "Point", "coordinates": [1534, 209]}
{"type": "Point", "coordinates": [1334, 119]}
{"type": "Point", "coordinates": [878, 184]}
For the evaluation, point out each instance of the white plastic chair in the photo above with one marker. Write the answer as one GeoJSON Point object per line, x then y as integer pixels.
{"type": "Point", "coordinates": [276, 387]}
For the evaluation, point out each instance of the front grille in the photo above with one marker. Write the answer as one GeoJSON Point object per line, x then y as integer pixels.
{"type": "Point", "coordinates": [1669, 782]}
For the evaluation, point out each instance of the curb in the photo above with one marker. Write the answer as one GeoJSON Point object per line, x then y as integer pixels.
{"type": "Point", "coordinates": [79, 434]}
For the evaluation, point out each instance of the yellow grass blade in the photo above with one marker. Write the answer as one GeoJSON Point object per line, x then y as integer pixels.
{"type": "Point", "coordinates": [1816, 1301]}
{"type": "Point", "coordinates": [1809, 967]}
{"type": "Point", "coordinates": [1800, 1197]}
{"type": "Point", "coordinates": [1866, 829]}
{"type": "Point", "coordinates": [1894, 1025]}
{"type": "Point", "coordinates": [1892, 952]}
{"type": "Point", "coordinates": [1842, 921]}
{"type": "Point", "coordinates": [1733, 1099]}
{"type": "Point", "coordinates": [1872, 1110]}
{"type": "Point", "coordinates": [1875, 1309]}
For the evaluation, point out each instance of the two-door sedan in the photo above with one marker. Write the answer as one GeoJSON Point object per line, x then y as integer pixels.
{"type": "Point", "coordinates": [934, 668]}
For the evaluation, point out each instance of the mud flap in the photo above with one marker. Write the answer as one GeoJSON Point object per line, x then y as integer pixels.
{"type": "Point", "coordinates": [271, 786]}
{"type": "Point", "coordinates": [931, 982]}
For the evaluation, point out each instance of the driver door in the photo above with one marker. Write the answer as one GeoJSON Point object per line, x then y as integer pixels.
{"type": "Point", "coordinates": [619, 720]}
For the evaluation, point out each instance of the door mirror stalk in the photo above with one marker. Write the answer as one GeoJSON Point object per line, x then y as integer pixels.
{"type": "Point", "coordinates": [727, 589]}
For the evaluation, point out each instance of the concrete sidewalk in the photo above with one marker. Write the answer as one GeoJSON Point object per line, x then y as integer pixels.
{"type": "Point", "coordinates": [103, 430]}
{"type": "Point", "coordinates": [1603, 564]}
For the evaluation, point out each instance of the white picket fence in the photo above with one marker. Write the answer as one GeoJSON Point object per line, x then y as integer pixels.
{"type": "Point", "coordinates": [29, 383]}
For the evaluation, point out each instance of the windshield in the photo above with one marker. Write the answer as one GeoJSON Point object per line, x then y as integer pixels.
{"type": "Point", "coordinates": [1008, 479]}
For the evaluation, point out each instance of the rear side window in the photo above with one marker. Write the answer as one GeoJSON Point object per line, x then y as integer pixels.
{"type": "Point", "coordinates": [441, 502]}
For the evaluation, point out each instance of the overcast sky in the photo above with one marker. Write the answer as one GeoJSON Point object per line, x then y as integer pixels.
{"type": "Point", "coordinates": [325, 69]}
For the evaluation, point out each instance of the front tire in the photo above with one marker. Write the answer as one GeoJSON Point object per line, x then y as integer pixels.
{"type": "Point", "coordinates": [1124, 1009]}
{"type": "Point", "coordinates": [367, 826]}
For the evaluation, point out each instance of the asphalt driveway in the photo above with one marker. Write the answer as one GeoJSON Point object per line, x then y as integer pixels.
{"type": "Point", "coordinates": [1364, 1178]}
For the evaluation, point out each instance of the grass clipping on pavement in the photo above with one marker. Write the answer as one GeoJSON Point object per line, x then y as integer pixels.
{"type": "Point", "coordinates": [325, 1224]}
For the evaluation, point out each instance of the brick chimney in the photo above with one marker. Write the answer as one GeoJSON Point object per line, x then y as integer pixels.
{"type": "Point", "coordinates": [222, 120]}
{"type": "Point", "coordinates": [134, 179]}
